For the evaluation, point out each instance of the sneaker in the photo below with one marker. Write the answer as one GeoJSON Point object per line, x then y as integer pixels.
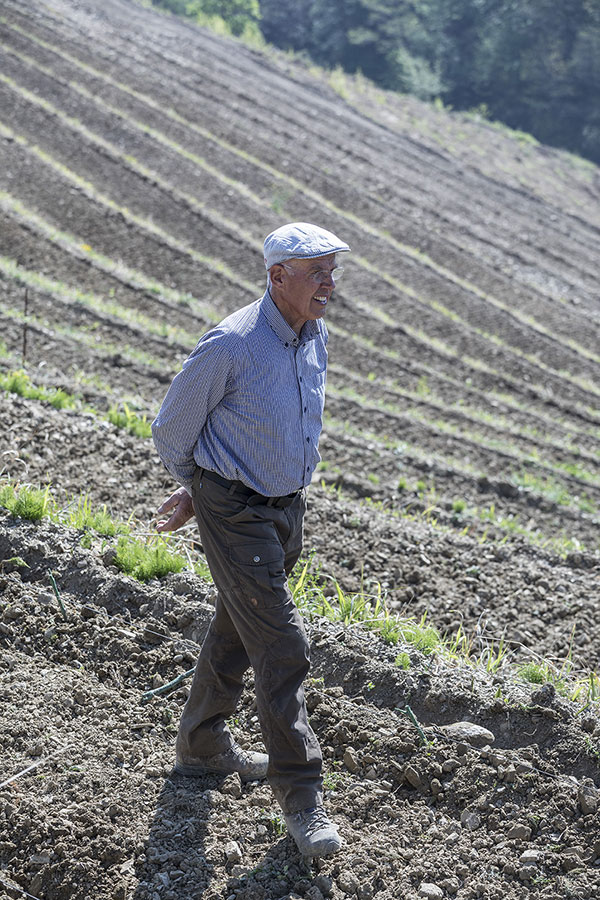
{"type": "Point", "coordinates": [313, 832]}
{"type": "Point", "coordinates": [250, 766]}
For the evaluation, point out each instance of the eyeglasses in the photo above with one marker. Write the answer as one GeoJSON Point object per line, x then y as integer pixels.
{"type": "Point", "coordinates": [319, 276]}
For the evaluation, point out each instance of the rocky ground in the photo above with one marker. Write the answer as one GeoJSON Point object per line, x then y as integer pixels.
{"type": "Point", "coordinates": [142, 162]}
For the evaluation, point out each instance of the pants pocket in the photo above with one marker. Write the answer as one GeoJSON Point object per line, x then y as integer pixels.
{"type": "Point", "coordinates": [261, 574]}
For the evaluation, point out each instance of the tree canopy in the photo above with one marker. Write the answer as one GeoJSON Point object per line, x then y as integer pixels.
{"type": "Point", "coordinates": [534, 64]}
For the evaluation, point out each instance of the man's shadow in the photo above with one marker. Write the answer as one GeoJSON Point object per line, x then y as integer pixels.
{"type": "Point", "coordinates": [189, 852]}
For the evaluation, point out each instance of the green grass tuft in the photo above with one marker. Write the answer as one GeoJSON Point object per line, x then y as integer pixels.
{"type": "Point", "coordinates": [28, 503]}
{"type": "Point", "coordinates": [127, 419]}
{"type": "Point", "coordinates": [145, 561]}
{"type": "Point", "coordinates": [534, 673]}
{"type": "Point", "coordinates": [85, 518]}
{"type": "Point", "coordinates": [20, 383]}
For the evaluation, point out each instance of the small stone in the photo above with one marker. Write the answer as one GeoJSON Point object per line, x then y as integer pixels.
{"type": "Point", "coordinates": [109, 556]}
{"type": "Point", "coordinates": [452, 838]}
{"type": "Point", "coordinates": [412, 777]}
{"type": "Point", "coordinates": [531, 857]}
{"type": "Point", "coordinates": [347, 882]}
{"type": "Point", "coordinates": [314, 893]}
{"type": "Point", "coordinates": [519, 832]}
{"type": "Point", "coordinates": [233, 853]}
{"type": "Point", "coordinates": [449, 765]}
{"type": "Point", "coordinates": [470, 819]}
{"type": "Point", "coordinates": [468, 732]}
{"type": "Point", "coordinates": [588, 800]}
{"type": "Point", "coordinates": [232, 785]}
{"type": "Point", "coordinates": [239, 871]}
{"type": "Point", "coordinates": [451, 885]}
{"type": "Point", "coordinates": [351, 760]}
{"type": "Point", "coordinates": [325, 884]}
{"type": "Point", "coordinates": [436, 787]}
{"type": "Point", "coordinates": [570, 860]}
{"type": "Point", "coordinates": [544, 696]}
{"type": "Point", "coordinates": [526, 873]}
{"type": "Point", "coordinates": [510, 774]}
{"type": "Point", "coordinates": [430, 891]}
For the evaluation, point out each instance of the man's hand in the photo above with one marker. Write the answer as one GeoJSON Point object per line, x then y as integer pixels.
{"type": "Point", "coordinates": [183, 509]}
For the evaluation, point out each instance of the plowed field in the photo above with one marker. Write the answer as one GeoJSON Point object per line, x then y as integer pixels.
{"type": "Point", "coordinates": [142, 162]}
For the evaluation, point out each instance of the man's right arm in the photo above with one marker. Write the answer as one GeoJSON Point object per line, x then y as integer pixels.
{"type": "Point", "coordinates": [194, 393]}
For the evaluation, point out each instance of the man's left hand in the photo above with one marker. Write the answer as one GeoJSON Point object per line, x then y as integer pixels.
{"type": "Point", "coordinates": [183, 510]}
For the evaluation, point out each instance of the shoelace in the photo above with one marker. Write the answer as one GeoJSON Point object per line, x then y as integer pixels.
{"type": "Point", "coordinates": [314, 819]}
{"type": "Point", "coordinates": [239, 754]}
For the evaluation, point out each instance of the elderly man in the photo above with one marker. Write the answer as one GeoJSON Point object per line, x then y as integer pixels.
{"type": "Point", "coordinates": [239, 429]}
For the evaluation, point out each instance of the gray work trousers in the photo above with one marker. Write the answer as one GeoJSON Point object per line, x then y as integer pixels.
{"type": "Point", "coordinates": [250, 550]}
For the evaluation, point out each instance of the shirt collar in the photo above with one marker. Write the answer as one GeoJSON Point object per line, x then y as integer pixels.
{"type": "Point", "coordinates": [285, 332]}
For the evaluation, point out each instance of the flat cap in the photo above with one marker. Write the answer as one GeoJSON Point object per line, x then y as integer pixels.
{"type": "Point", "coordinates": [300, 240]}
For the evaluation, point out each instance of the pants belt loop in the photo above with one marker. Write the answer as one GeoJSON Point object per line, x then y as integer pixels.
{"type": "Point", "coordinates": [271, 501]}
{"type": "Point", "coordinates": [232, 487]}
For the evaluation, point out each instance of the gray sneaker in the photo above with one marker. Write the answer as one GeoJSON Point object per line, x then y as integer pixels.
{"type": "Point", "coordinates": [251, 766]}
{"type": "Point", "coordinates": [313, 832]}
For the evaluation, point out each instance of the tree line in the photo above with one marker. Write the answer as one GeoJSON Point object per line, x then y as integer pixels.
{"type": "Point", "coordinates": [532, 64]}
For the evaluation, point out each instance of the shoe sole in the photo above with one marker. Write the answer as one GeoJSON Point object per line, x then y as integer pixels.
{"type": "Point", "coordinates": [200, 772]}
{"type": "Point", "coordinates": [327, 849]}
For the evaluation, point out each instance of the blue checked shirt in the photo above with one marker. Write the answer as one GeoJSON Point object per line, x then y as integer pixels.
{"type": "Point", "coordinates": [248, 403]}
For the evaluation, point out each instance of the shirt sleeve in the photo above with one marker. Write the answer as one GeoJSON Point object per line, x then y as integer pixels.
{"type": "Point", "coordinates": [194, 393]}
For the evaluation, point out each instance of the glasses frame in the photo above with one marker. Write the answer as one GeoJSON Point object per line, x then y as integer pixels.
{"type": "Point", "coordinates": [320, 275]}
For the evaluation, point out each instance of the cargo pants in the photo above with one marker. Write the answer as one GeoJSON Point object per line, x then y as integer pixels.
{"type": "Point", "coordinates": [250, 549]}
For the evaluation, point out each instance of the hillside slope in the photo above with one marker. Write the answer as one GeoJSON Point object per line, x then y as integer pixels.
{"type": "Point", "coordinates": [142, 162]}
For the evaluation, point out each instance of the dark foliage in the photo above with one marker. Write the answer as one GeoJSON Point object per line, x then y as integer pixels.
{"type": "Point", "coordinates": [534, 64]}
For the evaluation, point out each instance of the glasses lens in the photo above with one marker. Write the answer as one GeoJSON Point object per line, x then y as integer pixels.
{"type": "Point", "coordinates": [325, 274]}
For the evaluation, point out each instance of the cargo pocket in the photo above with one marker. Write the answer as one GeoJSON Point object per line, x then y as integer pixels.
{"type": "Point", "coordinates": [260, 571]}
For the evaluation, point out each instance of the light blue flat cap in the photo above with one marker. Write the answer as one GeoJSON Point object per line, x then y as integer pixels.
{"type": "Point", "coordinates": [300, 240]}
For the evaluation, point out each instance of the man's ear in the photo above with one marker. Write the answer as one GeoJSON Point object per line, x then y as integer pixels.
{"type": "Point", "coordinates": [276, 274]}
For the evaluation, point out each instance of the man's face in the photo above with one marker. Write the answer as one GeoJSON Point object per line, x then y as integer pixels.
{"type": "Point", "coordinates": [302, 288]}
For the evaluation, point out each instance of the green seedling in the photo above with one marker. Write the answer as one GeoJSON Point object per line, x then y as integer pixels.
{"type": "Point", "coordinates": [125, 418]}
{"type": "Point", "coordinates": [19, 383]}
{"type": "Point", "coordinates": [402, 661]}
{"type": "Point", "coordinates": [84, 517]}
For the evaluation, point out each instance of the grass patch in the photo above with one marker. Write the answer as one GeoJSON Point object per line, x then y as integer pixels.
{"type": "Point", "coordinates": [124, 417]}
{"type": "Point", "coordinates": [28, 502]}
{"type": "Point", "coordinates": [85, 518]}
{"type": "Point", "coordinates": [19, 383]}
{"type": "Point", "coordinates": [535, 673]}
{"type": "Point", "coordinates": [147, 560]}
{"type": "Point", "coordinates": [121, 415]}
{"type": "Point", "coordinates": [151, 556]}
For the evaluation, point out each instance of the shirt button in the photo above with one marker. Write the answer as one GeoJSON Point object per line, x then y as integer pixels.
{"type": "Point", "coordinates": [300, 379]}
{"type": "Point", "coordinates": [308, 440]}
{"type": "Point", "coordinates": [256, 559]}
{"type": "Point", "coordinates": [305, 408]}
{"type": "Point", "coordinates": [287, 345]}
